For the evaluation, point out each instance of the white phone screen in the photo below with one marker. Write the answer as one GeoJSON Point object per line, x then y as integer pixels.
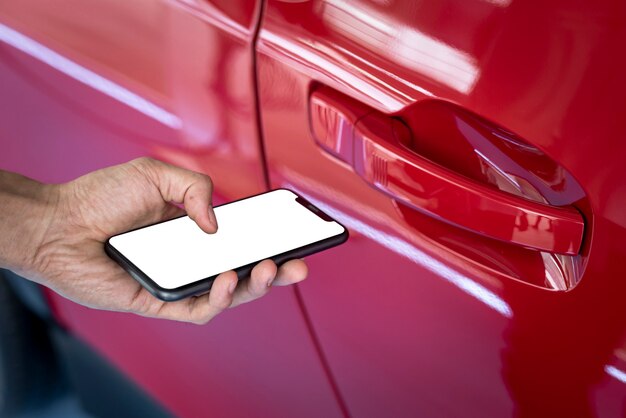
{"type": "Point", "coordinates": [178, 252]}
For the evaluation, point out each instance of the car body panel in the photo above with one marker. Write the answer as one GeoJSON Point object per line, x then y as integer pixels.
{"type": "Point", "coordinates": [412, 316]}
{"type": "Point", "coordinates": [415, 316]}
{"type": "Point", "coordinates": [88, 84]}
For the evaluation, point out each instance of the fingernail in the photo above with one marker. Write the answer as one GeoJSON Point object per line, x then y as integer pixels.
{"type": "Point", "coordinates": [232, 286]}
{"type": "Point", "coordinates": [212, 218]}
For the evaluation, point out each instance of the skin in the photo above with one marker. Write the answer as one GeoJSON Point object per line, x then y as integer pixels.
{"type": "Point", "coordinates": [55, 236]}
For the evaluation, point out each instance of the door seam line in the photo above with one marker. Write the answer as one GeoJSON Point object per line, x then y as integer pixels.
{"type": "Point", "coordinates": [296, 288]}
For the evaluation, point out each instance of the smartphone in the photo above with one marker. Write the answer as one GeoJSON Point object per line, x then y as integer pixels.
{"type": "Point", "coordinates": [175, 259]}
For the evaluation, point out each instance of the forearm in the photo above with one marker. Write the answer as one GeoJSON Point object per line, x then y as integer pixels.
{"type": "Point", "coordinates": [26, 212]}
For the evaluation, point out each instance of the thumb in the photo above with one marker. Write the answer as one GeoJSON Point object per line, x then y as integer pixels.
{"type": "Point", "coordinates": [178, 185]}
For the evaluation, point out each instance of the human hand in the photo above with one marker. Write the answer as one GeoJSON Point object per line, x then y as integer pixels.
{"type": "Point", "coordinates": [87, 211]}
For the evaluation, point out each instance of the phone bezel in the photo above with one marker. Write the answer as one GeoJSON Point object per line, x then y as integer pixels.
{"type": "Point", "coordinates": [204, 285]}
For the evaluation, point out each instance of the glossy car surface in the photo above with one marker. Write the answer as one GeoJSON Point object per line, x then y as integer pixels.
{"type": "Point", "coordinates": [473, 148]}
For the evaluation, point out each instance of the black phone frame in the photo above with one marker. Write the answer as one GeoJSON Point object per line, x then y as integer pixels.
{"type": "Point", "coordinates": [204, 285]}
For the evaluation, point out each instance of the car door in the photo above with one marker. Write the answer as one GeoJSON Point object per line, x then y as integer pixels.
{"type": "Point", "coordinates": [473, 149]}
{"type": "Point", "coordinates": [91, 83]}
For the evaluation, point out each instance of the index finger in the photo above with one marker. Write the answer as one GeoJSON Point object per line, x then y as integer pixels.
{"type": "Point", "coordinates": [192, 189]}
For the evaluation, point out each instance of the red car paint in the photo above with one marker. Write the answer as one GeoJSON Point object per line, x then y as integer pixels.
{"type": "Point", "coordinates": [384, 153]}
{"type": "Point", "coordinates": [86, 84]}
{"type": "Point", "coordinates": [413, 316]}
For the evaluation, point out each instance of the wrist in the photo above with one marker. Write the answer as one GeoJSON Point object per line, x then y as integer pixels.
{"type": "Point", "coordinates": [28, 213]}
{"type": "Point", "coordinates": [46, 231]}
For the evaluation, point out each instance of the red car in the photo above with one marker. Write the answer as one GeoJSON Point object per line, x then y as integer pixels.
{"type": "Point", "coordinates": [475, 150]}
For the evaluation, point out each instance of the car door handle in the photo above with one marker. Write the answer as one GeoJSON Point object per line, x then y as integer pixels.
{"type": "Point", "coordinates": [375, 147]}
{"type": "Point", "coordinates": [382, 160]}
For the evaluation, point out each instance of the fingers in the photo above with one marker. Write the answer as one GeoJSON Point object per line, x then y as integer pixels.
{"type": "Point", "coordinates": [199, 309]}
{"type": "Point", "coordinates": [226, 292]}
{"type": "Point", "coordinates": [257, 285]}
{"type": "Point", "coordinates": [265, 275]}
{"type": "Point", "coordinates": [194, 190]}
{"type": "Point", "coordinates": [291, 272]}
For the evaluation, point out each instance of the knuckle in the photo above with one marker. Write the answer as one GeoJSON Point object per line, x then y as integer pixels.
{"type": "Point", "coordinates": [145, 165]}
{"type": "Point", "coordinates": [143, 161]}
{"type": "Point", "coordinates": [205, 180]}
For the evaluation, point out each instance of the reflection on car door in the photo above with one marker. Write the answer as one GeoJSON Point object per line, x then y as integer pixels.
{"type": "Point", "coordinates": [87, 84]}
{"type": "Point", "coordinates": [416, 316]}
